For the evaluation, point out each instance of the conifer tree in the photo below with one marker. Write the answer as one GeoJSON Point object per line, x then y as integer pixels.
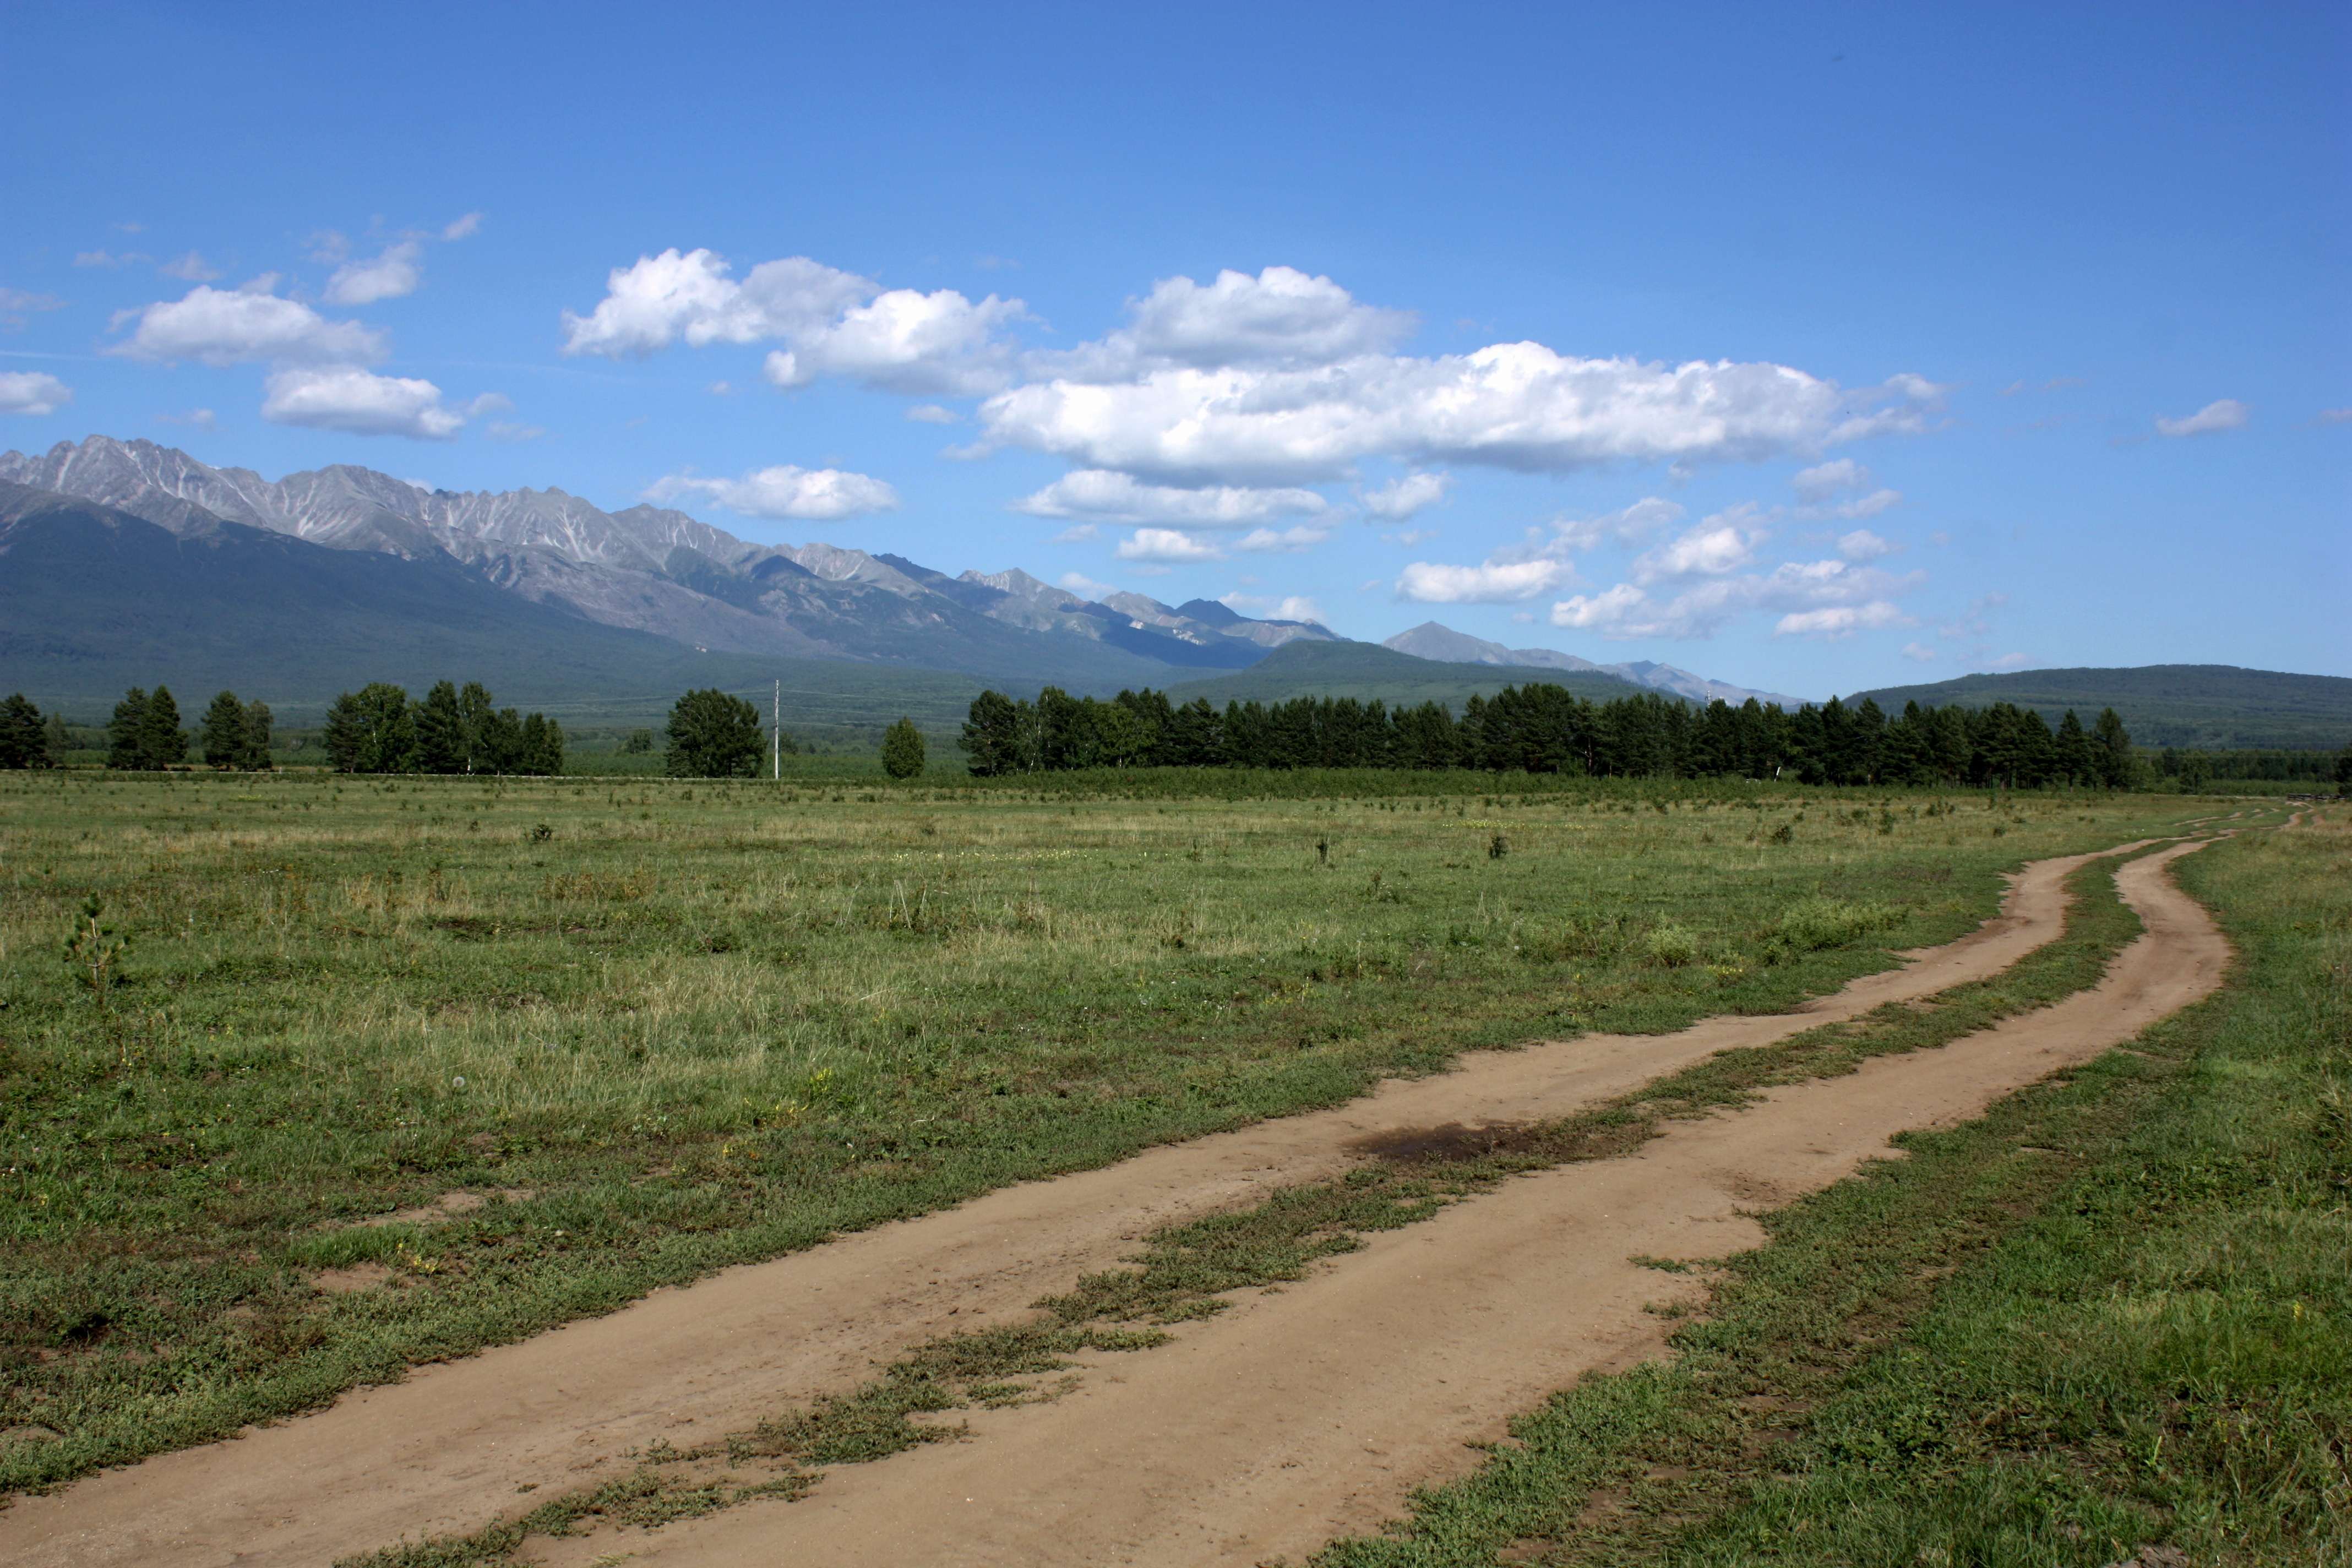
{"type": "Point", "coordinates": [223, 734]}
{"type": "Point", "coordinates": [162, 742]}
{"type": "Point", "coordinates": [2343, 769]}
{"type": "Point", "coordinates": [440, 731]}
{"type": "Point", "coordinates": [2111, 752]}
{"type": "Point", "coordinates": [55, 739]}
{"type": "Point", "coordinates": [345, 734]}
{"type": "Point", "coordinates": [902, 748]}
{"type": "Point", "coordinates": [124, 729]}
{"type": "Point", "coordinates": [23, 743]}
{"type": "Point", "coordinates": [257, 719]}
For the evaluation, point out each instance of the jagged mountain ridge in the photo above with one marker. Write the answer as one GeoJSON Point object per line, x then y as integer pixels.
{"type": "Point", "coordinates": [1432, 640]}
{"type": "Point", "coordinates": [660, 571]}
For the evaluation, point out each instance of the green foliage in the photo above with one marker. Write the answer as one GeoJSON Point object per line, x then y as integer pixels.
{"type": "Point", "coordinates": [24, 736]}
{"type": "Point", "coordinates": [371, 731]}
{"type": "Point", "coordinates": [377, 730]}
{"type": "Point", "coordinates": [703, 1022]}
{"type": "Point", "coordinates": [1546, 728]}
{"type": "Point", "coordinates": [1811, 924]}
{"type": "Point", "coordinates": [639, 743]}
{"type": "Point", "coordinates": [713, 734]}
{"type": "Point", "coordinates": [235, 734]}
{"type": "Point", "coordinates": [145, 732]}
{"type": "Point", "coordinates": [902, 750]}
{"type": "Point", "coordinates": [93, 947]}
{"type": "Point", "coordinates": [2103, 1323]}
{"type": "Point", "coordinates": [442, 746]}
{"type": "Point", "coordinates": [2204, 706]}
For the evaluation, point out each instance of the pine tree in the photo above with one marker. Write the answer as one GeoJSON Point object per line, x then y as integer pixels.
{"type": "Point", "coordinates": [123, 729]}
{"type": "Point", "coordinates": [440, 731]}
{"type": "Point", "coordinates": [162, 742]}
{"type": "Point", "coordinates": [902, 748]}
{"type": "Point", "coordinates": [714, 735]}
{"type": "Point", "coordinates": [2073, 751]}
{"type": "Point", "coordinates": [257, 719]}
{"type": "Point", "coordinates": [55, 742]}
{"type": "Point", "coordinates": [223, 736]}
{"type": "Point", "coordinates": [2111, 752]}
{"type": "Point", "coordinates": [23, 743]}
{"type": "Point", "coordinates": [345, 734]}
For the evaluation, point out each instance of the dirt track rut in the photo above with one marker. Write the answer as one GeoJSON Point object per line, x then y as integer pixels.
{"type": "Point", "coordinates": [1324, 1403]}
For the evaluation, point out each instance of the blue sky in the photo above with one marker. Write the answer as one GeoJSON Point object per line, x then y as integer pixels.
{"type": "Point", "coordinates": [1811, 347]}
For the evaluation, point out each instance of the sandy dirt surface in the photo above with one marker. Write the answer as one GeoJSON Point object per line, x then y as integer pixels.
{"type": "Point", "coordinates": [1296, 1415]}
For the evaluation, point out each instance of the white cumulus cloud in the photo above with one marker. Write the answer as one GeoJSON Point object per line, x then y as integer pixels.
{"type": "Point", "coordinates": [1290, 607]}
{"type": "Point", "coordinates": [2227, 414]}
{"type": "Point", "coordinates": [358, 403]}
{"type": "Point", "coordinates": [1919, 653]}
{"type": "Point", "coordinates": [832, 322]}
{"type": "Point", "coordinates": [1629, 611]}
{"type": "Point", "coordinates": [1494, 582]}
{"type": "Point", "coordinates": [1280, 320]}
{"type": "Point", "coordinates": [1842, 621]}
{"type": "Point", "coordinates": [1863, 545]}
{"type": "Point", "coordinates": [785, 491]}
{"type": "Point", "coordinates": [1402, 497]}
{"type": "Point", "coordinates": [1630, 526]}
{"type": "Point", "coordinates": [31, 392]}
{"type": "Point", "coordinates": [1168, 545]}
{"type": "Point", "coordinates": [1815, 487]}
{"type": "Point", "coordinates": [1513, 405]}
{"type": "Point", "coordinates": [1724, 542]}
{"type": "Point", "coordinates": [1117, 497]}
{"type": "Point", "coordinates": [224, 327]}
{"type": "Point", "coordinates": [461, 228]}
{"type": "Point", "coordinates": [1079, 583]}
{"type": "Point", "coordinates": [390, 276]}
{"type": "Point", "coordinates": [1286, 541]}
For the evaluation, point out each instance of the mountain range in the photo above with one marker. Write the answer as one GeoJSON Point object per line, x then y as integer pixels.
{"type": "Point", "coordinates": [1430, 640]}
{"type": "Point", "coordinates": [646, 570]}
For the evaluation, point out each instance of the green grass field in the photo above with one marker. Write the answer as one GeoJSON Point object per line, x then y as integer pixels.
{"type": "Point", "coordinates": [671, 1026]}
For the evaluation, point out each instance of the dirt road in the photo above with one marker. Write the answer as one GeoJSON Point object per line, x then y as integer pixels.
{"type": "Point", "coordinates": [1264, 1430]}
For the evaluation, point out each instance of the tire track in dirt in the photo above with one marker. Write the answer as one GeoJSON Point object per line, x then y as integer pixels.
{"type": "Point", "coordinates": [1297, 1415]}
{"type": "Point", "coordinates": [446, 1450]}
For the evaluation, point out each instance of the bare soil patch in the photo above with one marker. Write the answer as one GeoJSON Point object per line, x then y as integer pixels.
{"type": "Point", "coordinates": [1265, 1429]}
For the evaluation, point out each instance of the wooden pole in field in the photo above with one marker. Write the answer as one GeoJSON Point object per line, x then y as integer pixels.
{"type": "Point", "coordinates": [776, 736]}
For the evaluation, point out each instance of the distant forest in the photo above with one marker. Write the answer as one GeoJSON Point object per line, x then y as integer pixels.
{"type": "Point", "coordinates": [1546, 729]}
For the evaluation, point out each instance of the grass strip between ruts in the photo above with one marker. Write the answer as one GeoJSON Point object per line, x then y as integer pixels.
{"type": "Point", "coordinates": [2102, 1324]}
{"type": "Point", "coordinates": [1185, 1270]}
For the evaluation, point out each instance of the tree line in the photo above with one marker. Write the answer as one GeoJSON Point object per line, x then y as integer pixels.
{"type": "Point", "coordinates": [1541, 728]}
{"type": "Point", "coordinates": [452, 730]}
{"type": "Point", "coordinates": [28, 739]}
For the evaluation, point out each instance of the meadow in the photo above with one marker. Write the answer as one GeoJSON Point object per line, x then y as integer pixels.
{"type": "Point", "coordinates": [660, 1026]}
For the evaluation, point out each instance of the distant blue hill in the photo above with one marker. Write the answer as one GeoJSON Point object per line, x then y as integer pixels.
{"type": "Point", "coordinates": [2211, 706]}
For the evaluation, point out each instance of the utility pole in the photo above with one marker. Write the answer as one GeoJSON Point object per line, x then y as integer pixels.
{"type": "Point", "coordinates": [776, 735]}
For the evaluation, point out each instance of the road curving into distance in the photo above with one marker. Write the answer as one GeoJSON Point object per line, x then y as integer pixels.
{"type": "Point", "coordinates": [1266, 1429]}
